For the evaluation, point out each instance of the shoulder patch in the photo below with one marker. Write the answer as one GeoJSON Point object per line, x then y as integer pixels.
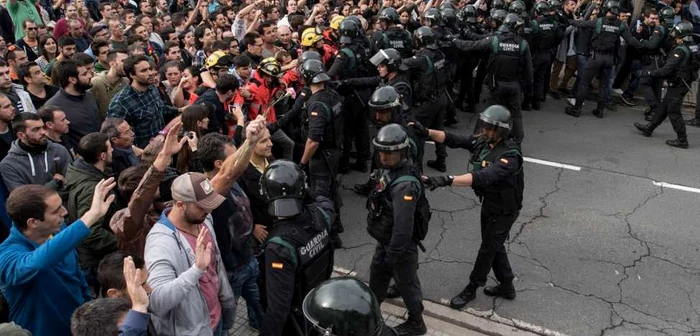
{"type": "Point", "coordinates": [504, 160]}
{"type": "Point", "coordinates": [408, 198]}
{"type": "Point", "coordinates": [314, 113]}
{"type": "Point", "coordinates": [277, 265]}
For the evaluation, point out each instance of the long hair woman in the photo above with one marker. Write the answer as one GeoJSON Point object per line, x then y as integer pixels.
{"type": "Point", "coordinates": [195, 122]}
{"type": "Point", "coordinates": [48, 49]}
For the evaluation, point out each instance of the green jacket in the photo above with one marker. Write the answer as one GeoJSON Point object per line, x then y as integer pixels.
{"type": "Point", "coordinates": [81, 179]}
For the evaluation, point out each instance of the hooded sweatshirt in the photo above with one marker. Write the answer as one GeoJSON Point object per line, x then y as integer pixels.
{"type": "Point", "coordinates": [20, 167]}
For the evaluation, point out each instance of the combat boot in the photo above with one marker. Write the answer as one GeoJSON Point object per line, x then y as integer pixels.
{"type": "Point", "coordinates": [504, 290]}
{"type": "Point", "coordinates": [414, 325]}
{"type": "Point", "coordinates": [359, 165]}
{"type": "Point", "coordinates": [438, 164]}
{"type": "Point", "coordinates": [695, 122]}
{"type": "Point", "coordinates": [393, 292]}
{"type": "Point", "coordinates": [525, 106]}
{"type": "Point", "coordinates": [680, 143]}
{"type": "Point", "coordinates": [646, 129]}
{"type": "Point", "coordinates": [343, 164]}
{"type": "Point", "coordinates": [598, 112]}
{"type": "Point", "coordinates": [466, 296]}
{"type": "Point", "coordinates": [363, 188]}
{"type": "Point", "coordinates": [573, 111]}
{"type": "Point", "coordinates": [536, 104]}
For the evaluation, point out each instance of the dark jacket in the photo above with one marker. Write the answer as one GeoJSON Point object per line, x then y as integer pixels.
{"type": "Point", "coordinates": [123, 158]}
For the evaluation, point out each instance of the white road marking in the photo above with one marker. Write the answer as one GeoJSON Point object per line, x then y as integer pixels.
{"type": "Point", "coordinates": [676, 186]}
{"type": "Point", "coordinates": [552, 164]}
{"type": "Point", "coordinates": [344, 271]}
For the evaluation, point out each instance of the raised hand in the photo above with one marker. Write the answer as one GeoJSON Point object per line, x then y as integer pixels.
{"type": "Point", "coordinates": [135, 278]}
{"type": "Point", "coordinates": [172, 146]}
{"type": "Point", "coordinates": [203, 251]}
{"type": "Point", "coordinates": [100, 201]}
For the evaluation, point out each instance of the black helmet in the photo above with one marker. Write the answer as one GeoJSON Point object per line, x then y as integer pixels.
{"type": "Point", "coordinates": [343, 306]}
{"type": "Point", "coordinates": [309, 54]}
{"type": "Point", "coordinates": [384, 98]}
{"type": "Point", "coordinates": [447, 4]}
{"type": "Point", "coordinates": [283, 186]}
{"type": "Point", "coordinates": [348, 31]}
{"type": "Point", "coordinates": [391, 57]}
{"type": "Point", "coordinates": [433, 15]}
{"type": "Point", "coordinates": [390, 15]}
{"type": "Point", "coordinates": [517, 7]}
{"type": "Point", "coordinates": [498, 4]}
{"type": "Point", "coordinates": [542, 8]}
{"type": "Point", "coordinates": [555, 4]}
{"type": "Point", "coordinates": [356, 20]}
{"type": "Point", "coordinates": [469, 13]}
{"type": "Point", "coordinates": [449, 17]}
{"type": "Point", "coordinates": [496, 117]}
{"type": "Point", "coordinates": [612, 6]}
{"type": "Point", "coordinates": [511, 23]}
{"type": "Point", "coordinates": [682, 30]}
{"type": "Point", "coordinates": [667, 14]}
{"type": "Point", "coordinates": [425, 37]}
{"type": "Point", "coordinates": [313, 72]}
{"type": "Point", "coordinates": [392, 138]}
{"type": "Point", "coordinates": [498, 16]}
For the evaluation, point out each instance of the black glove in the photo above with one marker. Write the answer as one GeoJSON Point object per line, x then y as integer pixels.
{"type": "Point", "coordinates": [434, 182]}
{"type": "Point", "coordinates": [305, 168]}
{"type": "Point", "coordinates": [419, 129]}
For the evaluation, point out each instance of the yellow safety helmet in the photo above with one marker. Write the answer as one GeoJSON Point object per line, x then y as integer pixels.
{"type": "Point", "coordinates": [270, 66]}
{"type": "Point", "coordinates": [309, 37]}
{"type": "Point", "coordinates": [218, 59]}
{"type": "Point", "coordinates": [335, 23]}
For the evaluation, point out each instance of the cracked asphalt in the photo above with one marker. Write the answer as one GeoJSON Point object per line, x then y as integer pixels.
{"type": "Point", "coordinates": [600, 251]}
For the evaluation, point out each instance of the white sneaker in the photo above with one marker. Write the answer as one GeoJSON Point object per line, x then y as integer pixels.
{"type": "Point", "coordinates": [617, 91]}
{"type": "Point", "coordinates": [572, 101]}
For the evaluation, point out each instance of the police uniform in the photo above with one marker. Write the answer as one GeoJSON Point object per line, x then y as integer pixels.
{"type": "Point", "coordinates": [546, 36]}
{"type": "Point", "coordinates": [470, 87]}
{"type": "Point", "coordinates": [653, 59]}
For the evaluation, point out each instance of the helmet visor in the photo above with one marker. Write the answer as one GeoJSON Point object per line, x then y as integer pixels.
{"type": "Point", "coordinates": [379, 57]}
{"type": "Point", "coordinates": [285, 207]}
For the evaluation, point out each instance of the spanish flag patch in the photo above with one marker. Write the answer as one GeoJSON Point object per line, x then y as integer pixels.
{"type": "Point", "coordinates": [504, 160]}
{"type": "Point", "coordinates": [277, 265]}
{"type": "Point", "coordinates": [314, 113]}
{"type": "Point", "coordinates": [408, 198]}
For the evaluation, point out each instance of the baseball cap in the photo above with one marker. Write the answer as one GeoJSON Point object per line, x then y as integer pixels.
{"type": "Point", "coordinates": [196, 188]}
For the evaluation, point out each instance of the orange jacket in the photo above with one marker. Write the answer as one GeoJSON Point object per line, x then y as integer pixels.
{"type": "Point", "coordinates": [260, 98]}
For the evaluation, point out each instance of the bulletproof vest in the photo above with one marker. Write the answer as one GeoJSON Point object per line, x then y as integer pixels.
{"type": "Point", "coordinates": [527, 31]}
{"type": "Point", "coordinates": [332, 110]}
{"type": "Point", "coordinates": [354, 61]}
{"type": "Point", "coordinates": [400, 40]}
{"type": "Point", "coordinates": [403, 83]}
{"type": "Point", "coordinates": [444, 37]}
{"type": "Point", "coordinates": [507, 194]}
{"type": "Point", "coordinates": [606, 36]}
{"type": "Point", "coordinates": [433, 79]}
{"type": "Point", "coordinates": [688, 70]}
{"type": "Point", "coordinates": [380, 218]}
{"type": "Point", "coordinates": [507, 49]}
{"type": "Point", "coordinates": [310, 248]}
{"type": "Point", "coordinates": [545, 34]}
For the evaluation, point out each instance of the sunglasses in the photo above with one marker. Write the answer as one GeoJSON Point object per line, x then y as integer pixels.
{"type": "Point", "coordinates": [31, 28]}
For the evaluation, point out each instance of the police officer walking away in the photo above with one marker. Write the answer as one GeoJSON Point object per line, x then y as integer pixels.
{"type": "Point", "coordinates": [393, 206]}
{"type": "Point", "coordinates": [510, 64]}
{"type": "Point", "coordinates": [322, 127]}
{"type": "Point", "coordinates": [546, 36]}
{"type": "Point", "coordinates": [429, 74]}
{"type": "Point", "coordinates": [680, 70]}
{"type": "Point", "coordinates": [345, 306]}
{"type": "Point", "coordinates": [656, 48]}
{"type": "Point", "coordinates": [391, 35]}
{"type": "Point", "coordinates": [497, 178]}
{"type": "Point", "coordinates": [298, 253]}
{"type": "Point", "coordinates": [605, 44]}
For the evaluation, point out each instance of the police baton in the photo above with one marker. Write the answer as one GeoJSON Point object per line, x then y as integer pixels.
{"type": "Point", "coordinates": [420, 245]}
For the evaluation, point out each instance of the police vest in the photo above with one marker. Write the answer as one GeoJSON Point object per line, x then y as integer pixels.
{"type": "Point", "coordinates": [434, 80]}
{"type": "Point", "coordinates": [507, 50]}
{"type": "Point", "coordinates": [332, 111]}
{"type": "Point", "coordinates": [506, 195]}
{"type": "Point", "coordinates": [606, 36]}
{"type": "Point", "coordinates": [688, 70]}
{"type": "Point", "coordinates": [544, 32]}
{"type": "Point", "coordinates": [400, 40]}
{"type": "Point", "coordinates": [310, 249]}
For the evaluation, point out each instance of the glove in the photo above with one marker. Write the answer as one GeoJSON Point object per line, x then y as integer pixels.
{"type": "Point", "coordinates": [419, 129]}
{"type": "Point", "coordinates": [434, 182]}
{"type": "Point", "coordinates": [642, 73]}
{"type": "Point", "coordinates": [304, 167]}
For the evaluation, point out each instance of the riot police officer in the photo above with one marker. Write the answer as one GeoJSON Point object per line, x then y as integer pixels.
{"type": "Point", "coordinates": [605, 43]}
{"type": "Point", "coordinates": [391, 35]}
{"type": "Point", "coordinates": [298, 253]}
{"type": "Point", "coordinates": [470, 86]}
{"type": "Point", "coordinates": [497, 178]}
{"type": "Point", "coordinates": [509, 66]}
{"type": "Point", "coordinates": [322, 127]}
{"type": "Point", "coordinates": [546, 36]}
{"type": "Point", "coordinates": [680, 70]}
{"type": "Point", "coordinates": [345, 306]}
{"type": "Point", "coordinates": [392, 206]}
{"type": "Point", "coordinates": [429, 76]}
{"type": "Point", "coordinates": [655, 49]}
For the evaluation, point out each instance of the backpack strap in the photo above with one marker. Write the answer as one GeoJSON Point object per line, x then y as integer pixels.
{"type": "Point", "coordinates": [292, 251]}
{"type": "Point", "coordinates": [494, 44]}
{"type": "Point", "coordinates": [408, 178]}
{"type": "Point", "coordinates": [523, 46]}
{"type": "Point", "coordinates": [598, 26]}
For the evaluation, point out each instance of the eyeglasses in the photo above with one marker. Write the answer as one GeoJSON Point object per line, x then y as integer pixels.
{"type": "Point", "coordinates": [31, 28]}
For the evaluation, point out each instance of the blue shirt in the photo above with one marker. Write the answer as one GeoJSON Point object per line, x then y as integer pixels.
{"type": "Point", "coordinates": [43, 284]}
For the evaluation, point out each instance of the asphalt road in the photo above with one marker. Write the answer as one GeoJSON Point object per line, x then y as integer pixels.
{"type": "Point", "coordinates": [599, 248]}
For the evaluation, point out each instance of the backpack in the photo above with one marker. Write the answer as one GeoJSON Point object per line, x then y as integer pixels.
{"type": "Point", "coordinates": [691, 64]}
{"type": "Point", "coordinates": [421, 218]}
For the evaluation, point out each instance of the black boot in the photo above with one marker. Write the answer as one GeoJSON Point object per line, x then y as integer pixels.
{"type": "Point", "coordinates": [598, 112]}
{"type": "Point", "coordinates": [574, 111]}
{"type": "Point", "coordinates": [525, 106]}
{"type": "Point", "coordinates": [646, 129]}
{"type": "Point", "coordinates": [467, 295]}
{"type": "Point", "coordinates": [680, 143]}
{"type": "Point", "coordinates": [413, 326]}
{"type": "Point", "coordinates": [343, 165]}
{"type": "Point", "coordinates": [695, 122]}
{"type": "Point", "coordinates": [359, 165]}
{"type": "Point", "coordinates": [469, 109]}
{"type": "Point", "coordinates": [438, 164]}
{"type": "Point", "coordinates": [504, 290]}
{"type": "Point", "coordinates": [536, 104]}
{"type": "Point", "coordinates": [393, 292]}
{"type": "Point", "coordinates": [363, 188]}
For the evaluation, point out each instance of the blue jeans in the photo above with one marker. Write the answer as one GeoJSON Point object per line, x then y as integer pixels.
{"type": "Point", "coordinates": [219, 331]}
{"type": "Point", "coordinates": [244, 283]}
{"type": "Point", "coordinates": [581, 61]}
{"type": "Point", "coordinates": [633, 85]}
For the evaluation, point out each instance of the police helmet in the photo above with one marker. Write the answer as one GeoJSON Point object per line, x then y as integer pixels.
{"type": "Point", "coordinates": [343, 306]}
{"type": "Point", "coordinates": [682, 30]}
{"type": "Point", "coordinates": [667, 14]}
{"type": "Point", "coordinates": [270, 67]}
{"type": "Point", "coordinates": [612, 6]}
{"type": "Point", "coordinates": [390, 15]}
{"type": "Point", "coordinates": [283, 186]}
{"type": "Point", "coordinates": [434, 16]}
{"type": "Point", "coordinates": [542, 8]}
{"type": "Point", "coordinates": [392, 138]}
{"type": "Point", "coordinates": [356, 20]}
{"type": "Point", "coordinates": [511, 23]}
{"type": "Point", "coordinates": [449, 17]}
{"type": "Point", "coordinates": [447, 4]}
{"type": "Point", "coordinates": [391, 57]}
{"type": "Point", "coordinates": [348, 30]}
{"type": "Point", "coordinates": [469, 13]}
{"type": "Point", "coordinates": [309, 37]}
{"type": "Point", "coordinates": [335, 23]}
{"type": "Point", "coordinates": [517, 7]}
{"type": "Point", "coordinates": [496, 117]}
{"type": "Point", "coordinates": [555, 4]}
{"type": "Point", "coordinates": [384, 98]}
{"type": "Point", "coordinates": [425, 37]}
{"type": "Point", "coordinates": [498, 4]}
{"type": "Point", "coordinates": [313, 72]}
{"type": "Point", "coordinates": [498, 16]}
{"type": "Point", "coordinates": [309, 54]}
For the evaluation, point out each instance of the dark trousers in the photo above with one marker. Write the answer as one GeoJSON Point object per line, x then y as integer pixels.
{"type": "Point", "coordinates": [581, 61]}
{"type": "Point", "coordinates": [651, 88]}
{"type": "Point", "coordinates": [671, 107]}
{"type": "Point", "coordinates": [599, 64]}
{"type": "Point", "coordinates": [508, 95]}
{"type": "Point", "coordinates": [432, 115]}
{"type": "Point", "coordinates": [495, 229]}
{"type": "Point", "coordinates": [323, 180]}
{"type": "Point", "coordinates": [466, 82]}
{"type": "Point", "coordinates": [541, 65]}
{"type": "Point", "coordinates": [633, 84]}
{"type": "Point", "coordinates": [404, 271]}
{"type": "Point", "coordinates": [481, 73]}
{"type": "Point", "coordinates": [356, 128]}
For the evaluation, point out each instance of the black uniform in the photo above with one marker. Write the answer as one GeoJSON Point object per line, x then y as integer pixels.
{"type": "Point", "coordinates": [510, 65]}
{"type": "Point", "coordinates": [394, 37]}
{"type": "Point", "coordinates": [470, 87]}
{"type": "Point", "coordinates": [546, 36]}
{"type": "Point", "coordinates": [498, 181]}
{"type": "Point", "coordinates": [401, 82]}
{"type": "Point", "coordinates": [653, 59]}
{"type": "Point", "coordinates": [298, 256]}
{"type": "Point", "coordinates": [392, 205]}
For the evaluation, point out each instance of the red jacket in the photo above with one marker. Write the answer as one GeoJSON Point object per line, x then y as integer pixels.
{"type": "Point", "coordinates": [260, 97]}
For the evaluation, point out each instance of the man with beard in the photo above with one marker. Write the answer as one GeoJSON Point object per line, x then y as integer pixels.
{"type": "Point", "coordinates": [106, 85]}
{"type": "Point", "coordinates": [32, 159]}
{"type": "Point", "coordinates": [140, 103]}
{"type": "Point", "coordinates": [82, 177]}
{"type": "Point", "coordinates": [75, 100]}
{"type": "Point", "coordinates": [7, 113]}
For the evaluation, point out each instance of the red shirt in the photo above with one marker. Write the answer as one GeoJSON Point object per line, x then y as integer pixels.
{"type": "Point", "coordinates": [209, 281]}
{"type": "Point", "coordinates": [260, 97]}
